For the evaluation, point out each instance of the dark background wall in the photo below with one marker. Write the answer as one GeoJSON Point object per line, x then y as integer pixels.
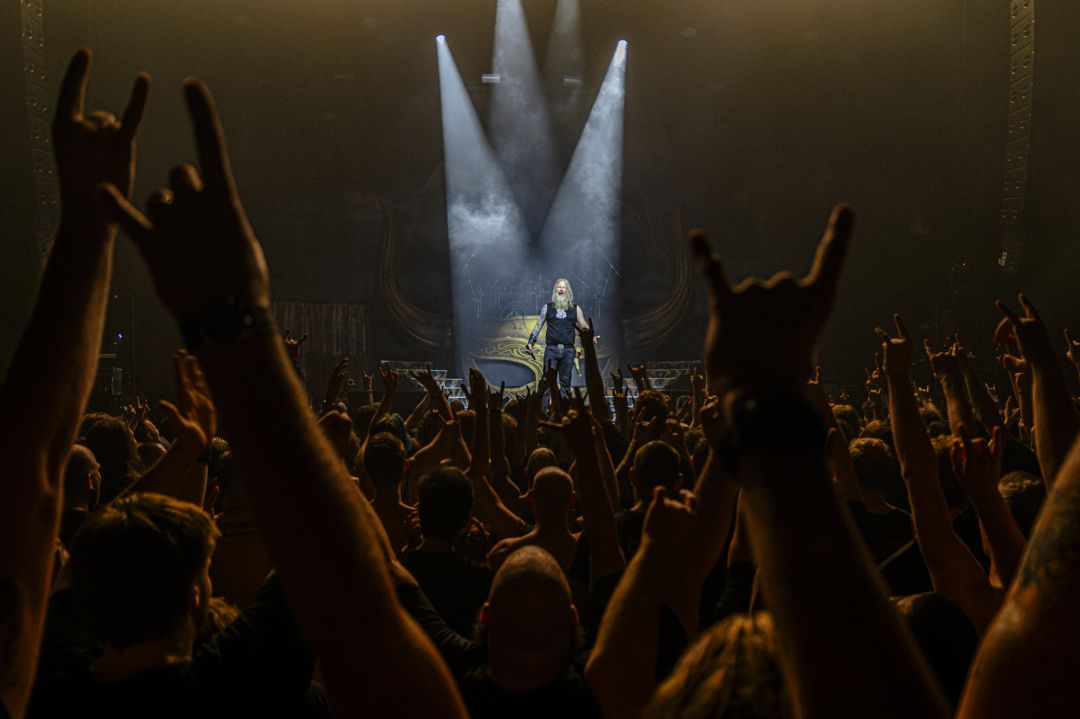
{"type": "Point", "coordinates": [754, 116]}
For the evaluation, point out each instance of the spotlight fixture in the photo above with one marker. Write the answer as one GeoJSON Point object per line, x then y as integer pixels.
{"type": "Point", "coordinates": [620, 52]}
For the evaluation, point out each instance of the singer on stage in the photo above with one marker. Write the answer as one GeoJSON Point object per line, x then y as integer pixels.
{"type": "Point", "coordinates": [562, 317]}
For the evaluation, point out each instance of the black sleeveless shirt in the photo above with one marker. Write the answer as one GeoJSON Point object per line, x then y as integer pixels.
{"type": "Point", "coordinates": [560, 331]}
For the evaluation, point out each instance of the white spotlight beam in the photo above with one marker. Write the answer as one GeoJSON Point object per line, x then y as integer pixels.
{"type": "Point", "coordinates": [521, 130]}
{"type": "Point", "coordinates": [487, 234]}
{"type": "Point", "coordinates": [581, 235]}
{"type": "Point", "coordinates": [564, 68]}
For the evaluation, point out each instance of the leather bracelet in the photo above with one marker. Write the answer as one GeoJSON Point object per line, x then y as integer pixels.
{"type": "Point", "coordinates": [225, 321]}
{"type": "Point", "coordinates": [780, 423]}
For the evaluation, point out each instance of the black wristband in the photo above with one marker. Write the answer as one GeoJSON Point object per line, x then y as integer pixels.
{"type": "Point", "coordinates": [225, 321]}
{"type": "Point", "coordinates": [780, 423]}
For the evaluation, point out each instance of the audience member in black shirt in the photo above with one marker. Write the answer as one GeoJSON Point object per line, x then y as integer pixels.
{"type": "Point", "coordinates": [456, 585]}
{"type": "Point", "coordinates": [121, 640]}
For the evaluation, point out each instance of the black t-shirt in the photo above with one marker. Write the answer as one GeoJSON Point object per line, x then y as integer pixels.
{"type": "Point", "coordinates": [883, 534]}
{"type": "Point", "coordinates": [456, 586]}
{"type": "Point", "coordinates": [259, 664]}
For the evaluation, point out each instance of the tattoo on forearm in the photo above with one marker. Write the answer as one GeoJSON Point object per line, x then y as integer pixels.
{"type": "Point", "coordinates": [1053, 554]}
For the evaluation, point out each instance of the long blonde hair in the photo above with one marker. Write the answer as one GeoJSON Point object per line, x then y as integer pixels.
{"type": "Point", "coordinates": [562, 303]}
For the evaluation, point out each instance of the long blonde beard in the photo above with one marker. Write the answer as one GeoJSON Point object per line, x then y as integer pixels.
{"type": "Point", "coordinates": [562, 303]}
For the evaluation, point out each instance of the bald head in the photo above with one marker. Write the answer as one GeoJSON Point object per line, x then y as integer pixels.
{"type": "Point", "coordinates": [552, 492]}
{"type": "Point", "coordinates": [530, 620]}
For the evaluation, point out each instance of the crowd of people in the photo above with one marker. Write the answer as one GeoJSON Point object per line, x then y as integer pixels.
{"type": "Point", "coordinates": [753, 548]}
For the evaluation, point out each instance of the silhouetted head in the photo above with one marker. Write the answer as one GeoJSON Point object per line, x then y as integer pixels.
{"type": "Point", "coordinates": [552, 494]}
{"type": "Point", "coordinates": [945, 635]}
{"type": "Point", "coordinates": [116, 451]}
{"type": "Point", "coordinates": [656, 464]}
{"type": "Point", "coordinates": [140, 571]}
{"type": "Point", "coordinates": [731, 671]}
{"type": "Point", "coordinates": [541, 458]}
{"type": "Point", "coordinates": [529, 622]}
{"type": "Point", "coordinates": [384, 461]}
{"type": "Point", "coordinates": [446, 500]}
{"type": "Point", "coordinates": [1024, 493]}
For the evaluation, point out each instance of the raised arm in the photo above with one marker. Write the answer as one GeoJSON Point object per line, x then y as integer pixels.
{"type": "Point", "coordinates": [594, 381]}
{"type": "Point", "coordinates": [179, 473]}
{"type": "Point", "coordinates": [489, 508]}
{"type": "Point", "coordinates": [947, 372]}
{"type": "Point", "coordinates": [52, 371]}
{"type": "Point", "coordinates": [977, 466]}
{"type": "Point", "coordinates": [953, 568]}
{"type": "Point", "coordinates": [758, 347]}
{"type": "Point", "coordinates": [622, 666]}
{"type": "Point", "coordinates": [435, 394]}
{"type": "Point", "coordinates": [1026, 664]}
{"type": "Point", "coordinates": [983, 403]}
{"type": "Point", "coordinates": [1055, 422]}
{"type": "Point", "coordinates": [209, 270]}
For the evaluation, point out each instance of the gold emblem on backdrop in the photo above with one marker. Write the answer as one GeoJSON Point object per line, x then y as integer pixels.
{"type": "Point", "coordinates": [506, 344]}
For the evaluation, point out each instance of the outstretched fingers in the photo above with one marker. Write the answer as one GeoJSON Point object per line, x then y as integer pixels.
{"type": "Point", "coordinates": [901, 330]}
{"type": "Point", "coordinates": [712, 267]}
{"type": "Point", "coordinates": [136, 106]}
{"type": "Point", "coordinates": [832, 250]}
{"type": "Point", "coordinates": [73, 87]}
{"type": "Point", "coordinates": [209, 136]}
{"type": "Point", "coordinates": [1029, 308]}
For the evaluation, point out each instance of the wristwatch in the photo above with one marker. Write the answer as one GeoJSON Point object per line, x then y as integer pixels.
{"type": "Point", "coordinates": [781, 423]}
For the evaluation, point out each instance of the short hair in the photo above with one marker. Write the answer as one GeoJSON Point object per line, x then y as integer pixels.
{"type": "Point", "coordinates": [541, 458]}
{"type": "Point", "coordinates": [384, 460]}
{"type": "Point", "coordinates": [874, 463]}
{"type": "Point", "coordinates": [446, 500]}
{"type": "Point", "coordinates": [116, 451]}
{"type": "Point", "coordinates": [848, 419]}
{"type": "Point", "coordinates": [656, 464]}
{"type": "Point", "coordinates": [395, 425]}
{"type": "Point", "coordinates": [1024, 493]}
{"type": "Point", "coordinates": [878, 429]}
{"type": "Point", "coordinates": [945, 635]}
{"type": "Point", "coordinates": [732, 670]}
{"type": "Point", "coordinates": [553, 489]}
{"type": "Point", "coordinates": [651, 404]}
{"type": "Point", "coordinates": [133, 564]}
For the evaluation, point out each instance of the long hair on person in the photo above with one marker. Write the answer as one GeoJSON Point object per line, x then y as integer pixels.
{"type": "Point", "coordinates": [563, 302]}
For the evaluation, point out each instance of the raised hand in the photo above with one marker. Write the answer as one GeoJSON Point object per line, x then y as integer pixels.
{"type": "Point", "coordinates": [761, 335]}
{"type": "Point", "coordinates": [477, 390]}
{"type": "Point", "coordinates": [195, 237]}
{"type": "Point", "coordinates": [92, 148]}
{"type": "Point", "coordinates": [670, 521]}
{"type": "Point", "coordinates": [977, 463]}
{"type": "Point", "coordinates": [1073, 351]}
{"type": "Point", "coordinates": [618, 384]}
{"type": "Point", "coordinates": [1028, 333]}
{"type": "Point", "coordinates": [336, 384]}
{"type": "Point", "coordinates": [194, 414]}
{"type": "Point", "coordinates": [424, 377]}
{"type": "Point", "coordinates": [293, 347]}
{"type": "Point", "coordinates": [389, 379]}
{"type": "Point", "coordinates": [897, 351]}
{"type": "Point", "coordinates": [944, 364]}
